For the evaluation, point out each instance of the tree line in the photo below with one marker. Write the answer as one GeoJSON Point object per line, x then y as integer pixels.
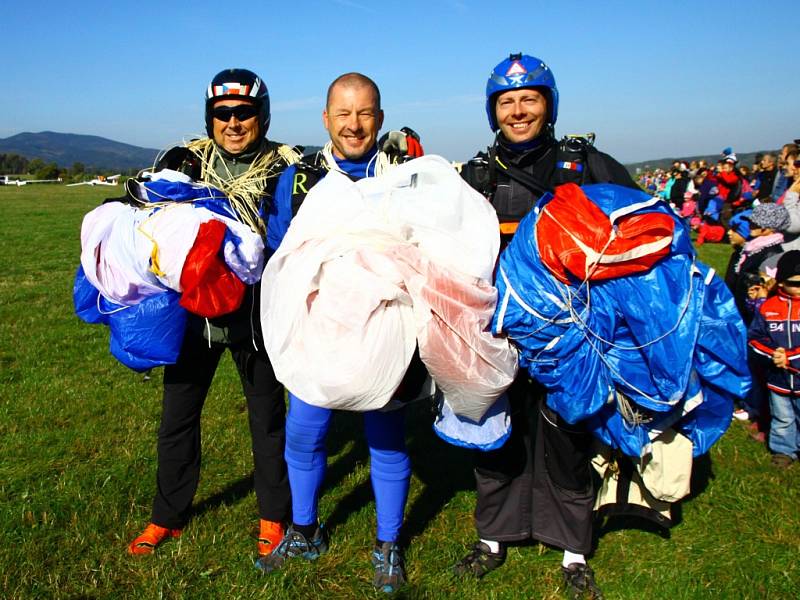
{"type": "Point", "coordinates": [36, 168]}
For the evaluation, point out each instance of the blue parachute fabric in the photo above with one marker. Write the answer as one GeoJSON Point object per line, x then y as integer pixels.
{"type": "Point", "coordinates": [87, 300]}
{"type": "Point", "coordinates": [633, 355]}
{"type": "Point", "coordinates": [490, 433]}
{"type": "Point", "coordinates": [649, 355]}
{"type": "Point", "coordinates": [148, 334]}
{"type": "Point", "coordinates": [178, 191]}
{"type": "Point", "coordinates": [143, 336]}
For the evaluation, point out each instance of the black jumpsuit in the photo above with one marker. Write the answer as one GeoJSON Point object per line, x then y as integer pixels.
{"type": "Point", "coordinates": [539, 484]}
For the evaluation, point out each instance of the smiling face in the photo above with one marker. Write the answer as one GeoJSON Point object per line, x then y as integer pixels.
{"type": "Point", "coordinates": [521, 114]}
{"type": "Point", "coordinates": [233, 135]}
{"type": "Point", "coordinates": [353, 118]}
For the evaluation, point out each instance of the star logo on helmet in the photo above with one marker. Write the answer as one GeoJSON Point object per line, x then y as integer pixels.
{"type": "Point", "coordinates": [517, 69]}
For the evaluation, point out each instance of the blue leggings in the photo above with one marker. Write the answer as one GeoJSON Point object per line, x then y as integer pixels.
{"type": "Point", "coordinates": [306, 458]}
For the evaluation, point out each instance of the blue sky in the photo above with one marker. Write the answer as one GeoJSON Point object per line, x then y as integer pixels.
{"type": "Point", "coordinates": [652, 79]}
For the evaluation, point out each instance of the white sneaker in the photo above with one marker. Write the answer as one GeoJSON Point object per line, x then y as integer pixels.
{"type": "Point", "coordinates": [741, 414]}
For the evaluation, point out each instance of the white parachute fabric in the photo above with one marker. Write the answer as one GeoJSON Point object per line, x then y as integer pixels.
{"type": "Point", "coordinates": [112, 260]}
{"type": "Point", "coordinates": [370, 269]}
{"type": "Point", "coordinates": [130, 253]}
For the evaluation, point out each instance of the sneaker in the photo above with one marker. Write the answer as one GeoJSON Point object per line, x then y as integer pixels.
{"type": "Point", "coordinates": [292, 545]}
{"type": "Point", "coordinates": [480, 560]}
{"type": "Point", "coordinates": [741, 414]}
{"type": "Point", "coordinates": [579, 582]}
{"type": "Point", "coordinates": [389, 571]}
{"type": "Point", "coordinates": [782, 461]}
{"type": "Point", "coordinates": [270, 535]}
{"type": "Point", "coordinates": [151, 537]}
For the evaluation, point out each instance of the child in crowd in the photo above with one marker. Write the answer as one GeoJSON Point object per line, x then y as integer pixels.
{"type": "Point", "coordinates": [738, 234]}
{"type": "Point", "coordinates": [775, 335]}
{"type": "Point", "coordinates": [755, 407]}
{"type": "Point", "coordinates": [767, 224]}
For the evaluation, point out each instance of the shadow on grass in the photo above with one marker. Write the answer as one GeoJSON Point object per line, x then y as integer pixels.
{"type": "Point", "coordinates": [231, 494]}
{"type": "Point", "coordinates": [443, 469]}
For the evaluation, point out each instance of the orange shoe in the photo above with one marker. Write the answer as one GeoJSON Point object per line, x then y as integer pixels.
{"type": "Point", "coordinates": [151, 537]}
{"type": "Point", "coordinates": [269, 536]}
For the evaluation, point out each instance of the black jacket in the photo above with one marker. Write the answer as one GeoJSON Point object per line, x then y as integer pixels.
{"type": "Point", "coordinates": [549, 165]}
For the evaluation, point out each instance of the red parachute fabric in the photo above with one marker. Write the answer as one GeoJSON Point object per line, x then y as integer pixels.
{"type": "Point", "coordinates": [572, 235]}
{"type": "Point", "coordinates": [210, 289]}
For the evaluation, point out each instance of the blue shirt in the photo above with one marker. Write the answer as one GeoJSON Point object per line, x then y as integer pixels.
{"type": "Point", "coordinates": [280, 211]}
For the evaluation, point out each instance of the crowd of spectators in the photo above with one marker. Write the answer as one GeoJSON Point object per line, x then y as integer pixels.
{"type": "Point", "coordinates": [758, 208]}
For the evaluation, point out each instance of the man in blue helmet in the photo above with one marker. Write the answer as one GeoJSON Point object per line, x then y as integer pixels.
{"type": "Point", "coordinates": [238, 159]}
{"type": "Point", "coordinates": [352, 117]}
{"type": "Point", "coordinates": [539, 484]}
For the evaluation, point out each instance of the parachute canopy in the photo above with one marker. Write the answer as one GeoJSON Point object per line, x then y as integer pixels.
{"type": "Point", "coordinates": [367, 271]}
{"type": "Point", "coordinates": [601, 292]}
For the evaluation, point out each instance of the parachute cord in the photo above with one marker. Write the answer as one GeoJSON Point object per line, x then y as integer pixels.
{"type": "Point", "coordinates": [574, 295]}
{"type": "Point", "coordinates": [208, 332]}
{"type": "Point", "coordinates": [670, 331]}
{"type": "Point", "coordinates": [619, 376]}
{"type": "Point", "coordinates": [571, 297]}
{"type": "Point", "coordinates": [243, 191]}
{"type": "Point", "coordinates": [111, 312]}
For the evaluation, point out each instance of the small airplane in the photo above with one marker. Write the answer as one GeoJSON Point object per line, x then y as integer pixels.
{"type": "Point", "coordinates": [99, 180]}
{"type": "Point", "coordinates": [6, 180]}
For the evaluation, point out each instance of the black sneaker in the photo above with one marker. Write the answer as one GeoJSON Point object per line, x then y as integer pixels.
{"type": "Point", "coordinates": [480, 561]}
{"type": "Point", "coordinates": [389, 570]}
{"type": "Point", "coordinates": [579, 582]}
{"type": "Point", "coordinates": [292, 545]}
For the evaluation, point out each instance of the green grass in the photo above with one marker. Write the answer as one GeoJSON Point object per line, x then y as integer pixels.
{"type": "Point", "coordinates": [77, 440]}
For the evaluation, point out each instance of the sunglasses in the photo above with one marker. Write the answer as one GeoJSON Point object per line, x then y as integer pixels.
{"type": "Point", "coordinates": [242, 112]}
{"type": "Point", "coordinates": [792, 284]}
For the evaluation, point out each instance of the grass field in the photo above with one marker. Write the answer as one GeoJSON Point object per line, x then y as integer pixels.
{"type": "Point", "coordinates": [77, 441]}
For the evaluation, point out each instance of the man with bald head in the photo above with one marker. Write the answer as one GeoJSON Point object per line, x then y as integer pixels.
{"type": "Point", "coordinates": [352, 117]}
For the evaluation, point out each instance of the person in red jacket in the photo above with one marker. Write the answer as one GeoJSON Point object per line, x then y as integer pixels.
{"type": "Point", "coordinates": [774, 335]}
{"type": "Point", "coordinates": [729, 183]}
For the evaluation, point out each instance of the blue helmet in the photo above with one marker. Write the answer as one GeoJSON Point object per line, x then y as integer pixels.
{"type": "Point", "coordinates": [521, 71]}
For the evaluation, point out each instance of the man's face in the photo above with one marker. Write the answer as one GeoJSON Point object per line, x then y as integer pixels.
{"type": "Point", "coordinates": [233, 135]}
{"type": "Point", "coordinates": [353, 120]}
{"type": "Point", "coordinates": [521, 114]}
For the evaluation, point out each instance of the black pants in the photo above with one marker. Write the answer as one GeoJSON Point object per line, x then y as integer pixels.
{"type": "Point", "coordinates": [186, 385]}
{"type": "Point", "coordinates": [539, 484]}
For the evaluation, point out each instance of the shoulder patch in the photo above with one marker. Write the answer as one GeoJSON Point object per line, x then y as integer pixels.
{"type": "Point", "coordinates": [570, 166]}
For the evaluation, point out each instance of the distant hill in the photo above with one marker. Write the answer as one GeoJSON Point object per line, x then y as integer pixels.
{"type": "Point", "coordinates": [93, 151]}
{"type": "Point", "coordinates": [745, 158]}
{"type": "Point", "coordinates": [64, 149]}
